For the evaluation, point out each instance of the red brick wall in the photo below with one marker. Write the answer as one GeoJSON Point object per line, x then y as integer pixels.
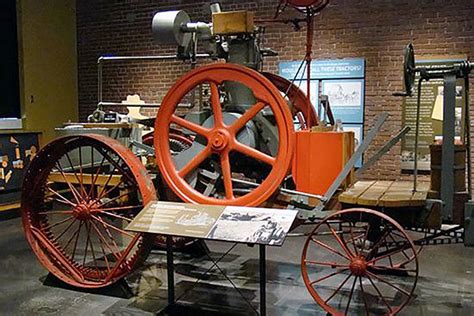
{"type": "Point", "coordinates": [374, 30]}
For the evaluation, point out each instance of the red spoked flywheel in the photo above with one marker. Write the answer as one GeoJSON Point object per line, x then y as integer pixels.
{"type": "Point", "coordinates": [78, 195]}
{"type": "Point", "coordinates": [221, 139]}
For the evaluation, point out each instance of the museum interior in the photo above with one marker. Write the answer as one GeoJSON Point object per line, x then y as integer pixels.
{"type": "Point", "coordinates": [265, 157]}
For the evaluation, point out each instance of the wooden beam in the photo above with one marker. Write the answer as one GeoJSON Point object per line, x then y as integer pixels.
{"type": "Point", "coordinates": [102, 179]}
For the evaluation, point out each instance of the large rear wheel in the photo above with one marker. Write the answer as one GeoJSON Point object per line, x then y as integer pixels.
{"type": "Point", "coordinates": [79, 194]}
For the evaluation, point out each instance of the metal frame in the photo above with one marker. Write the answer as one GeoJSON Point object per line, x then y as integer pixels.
{"type": "Point", "coordinates": [102, 59]}
{"type": "Point", "coordinates": [172, 300]}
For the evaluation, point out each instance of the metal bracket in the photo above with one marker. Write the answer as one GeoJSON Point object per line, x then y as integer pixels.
{"type": "Point", "coordinates": [148, 149]}
{"type": "Point", "coordinates": [382, 151]}
{"type": "Point", "coordinates": [447, 162]}
{"type": "Point", "coordinates": [469, 224]}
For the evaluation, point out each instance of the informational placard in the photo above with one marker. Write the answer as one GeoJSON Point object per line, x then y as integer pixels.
{"type": "Point", "coordinates": [346, 98]}
{"type": "Point", "coordinates": [431, 115]}
{"type": "Point", "coordinates": [228, 223]}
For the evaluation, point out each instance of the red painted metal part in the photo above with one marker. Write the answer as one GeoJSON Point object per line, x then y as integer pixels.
{"type": "Point", "coordinates": [299, 101]}
{"type": "Point", "coordinates": [316, 5]}
{"type": "Point", "coordinates": [359, 262]}
{"type": "Point", "coordinates": [221, 139]}
{"type": "Point", "coordinates": [83, 243]}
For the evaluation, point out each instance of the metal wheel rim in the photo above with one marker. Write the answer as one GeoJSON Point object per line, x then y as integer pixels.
{"type": "Point", "coordinates": [323, 302]}
{"type": "Point", "coordinates": [47, 245]}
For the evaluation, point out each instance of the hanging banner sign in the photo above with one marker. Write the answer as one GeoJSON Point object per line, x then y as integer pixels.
{"type": "Point", "coordinates": [325, 69]}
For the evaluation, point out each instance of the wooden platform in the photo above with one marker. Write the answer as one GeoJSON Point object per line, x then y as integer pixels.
{"type": "Point", "coordinates": [386, 194]}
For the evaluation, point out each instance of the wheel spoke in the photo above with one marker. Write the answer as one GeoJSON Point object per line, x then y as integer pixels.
{"type": "Point", "coordinates": [388, 254]}
{"type": "Point", "coordinates": [63, 199]}
{"type": "Point", "coordinates": [96, 176]}
{"type": "Point", "coordinates": [56, 212]}
{"type": "Point", "coordinates": [350, 296]}
{"type": "Point", "coordinates": [71, 238]}
{"type": "Point", "coordinates": [102, 247]}
{"type": "Point", "coordinates": [247, 116]}
{"type": "Point", "coordinates": [363, 296]}
{"type": "Point", "coordinates": [110, 201]}
{"type": "Point", "coordinates": [338, 288]}
{"type": "Point", "coordinates": [327, 264]}
{"type": "Point", "coordinates": [104, 187]}
{"type": "Point", "coordinates": [328, 276]}
{"type": "Point", "coordinates": [352, 237]}
{"type": "Point", "coordinates": [69, 184]}
{"type": "Point", "coordinates": [103, 194]}
{"type": "Point", "coordinates": [79, 179]}
{"type": "Point", "coordinates": [93, 252]}
{"type": "Point", "coordinates": [76, 241]}
{"type": "Point", "coordinates": [121, 208]}
{"type": "Point", "coordinates": [216, 105]}
{"type": "Point", "coordinates": [227, 176]}
{"type": "Point", "coordinates": [379, 293]}
{"type": "Point", "coordinates": [103, 240]}
{"type": "Point", "coordinates": [117, 165]}
{"type": "Point", "coordinates": [253, 153]}
{"type": "Point", "coordinates": [58, 223]}
{"type": "Point", "coordinates": [64, 231]}
{"type": "Point", "coordinates": [388, 283]}
{"type": "Point", "coordinates": [394, 268]}
{"type": "Point", "coordinates": [339, 241]}
{"type": "Point", "coordinates": [403, 251]}
{"type": "Point", "coordinates": [116, 216]}
{"type": "Point", "coordinates": [330, 249]}
{"type": "Point", "coordinates": [88, 230]}
{"type": "Point", "coordinates": [195, 162]}
{"type": "Point", "coordinates": [375, 247]}
{"type": "Point", "coordinates": [190, 125]}
{"type": "Point", "coordinates": [112, 227]}
{"type": "Point", "coordinates": [366, 236]}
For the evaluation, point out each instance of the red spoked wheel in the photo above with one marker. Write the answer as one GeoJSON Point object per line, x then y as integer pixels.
{"type": "Point", "coordinates": [360, 261]}
{"type": "Point", "coordinates": [221, 140]}
{"type": "Point", "coordinates": [300, 104]}
{"type": "Point", "coordinates": [78, 195]}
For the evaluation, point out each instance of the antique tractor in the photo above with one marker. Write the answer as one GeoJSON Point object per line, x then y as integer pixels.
{"type": "Point", "coordinates": [81, 191]}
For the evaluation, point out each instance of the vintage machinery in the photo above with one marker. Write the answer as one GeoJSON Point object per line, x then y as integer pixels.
{"type": "Point", "coordinates": [234, 146]}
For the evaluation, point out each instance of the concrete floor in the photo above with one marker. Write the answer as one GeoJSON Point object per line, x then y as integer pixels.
{"type": "Point", "coordinates": [445, 285]}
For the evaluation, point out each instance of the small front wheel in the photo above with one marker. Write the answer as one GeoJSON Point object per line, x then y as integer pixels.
{"type": "Point", "coordinates": [360, 261]}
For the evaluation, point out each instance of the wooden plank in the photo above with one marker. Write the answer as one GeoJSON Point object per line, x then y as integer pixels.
{"type": "Point", "coordinates": [419, 197]}
{"type": "Point", "coordinates": [351, 195]}
{"type": "Point", "coordinates": [9, 207]}
{"type": "Point", "coordinates": [391, 194]}
{"type": "Point", "coordinates": [86, 178]}
{"type": "Point", "coordinates": [104, 125]}
{"type": "Point", "coordinates": [372, 196]}
{"type": "Point", "coordinates": [401, 194]}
